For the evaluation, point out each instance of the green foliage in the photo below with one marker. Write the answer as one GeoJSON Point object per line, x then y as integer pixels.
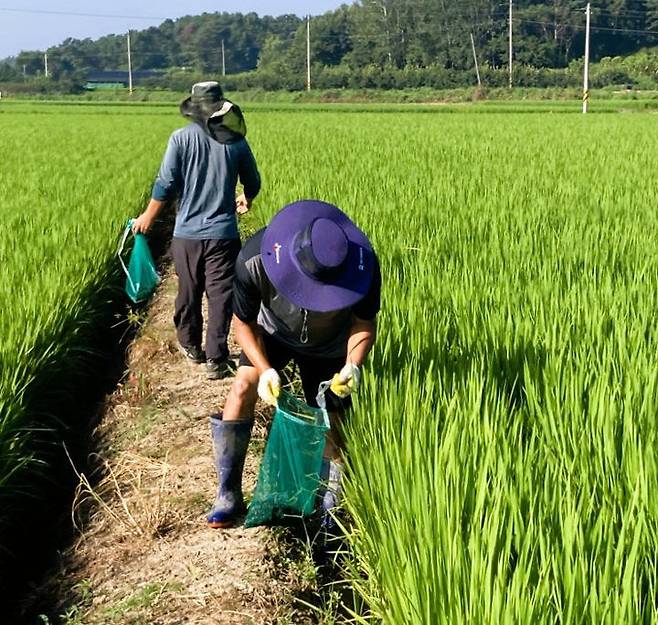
{"type": "Point", "coordinates": [503, 450]}
{"type": "Point", "coordinates": [192, 42]}
{"type": "Point", "coordinates": [9, 73]}
{"type": "Point", "coordinates": [69, 184]}
{"type": "Point", "coordinates": [378, 43]}
{"type": "Point", "coordinates": [639, 70]}
{"type": "Point", "coordinates": [502, 462]}
{"type": "Point", "coordinates": [135, 607]}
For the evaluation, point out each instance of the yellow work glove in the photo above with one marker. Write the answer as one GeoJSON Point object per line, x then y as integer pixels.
{"type": "Point", "coordinates": [347, 381]}
{"type": "Point", "coordinates": [269, 386]}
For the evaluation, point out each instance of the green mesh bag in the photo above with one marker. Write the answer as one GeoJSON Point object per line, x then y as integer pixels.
{"type": "Point", "coordinates": [141, 275]}
{"type": "Point", "coordinates": [290, 471]}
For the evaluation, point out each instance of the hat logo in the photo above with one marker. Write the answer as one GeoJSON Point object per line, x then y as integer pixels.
{"type": "Point", "coordinates": [361, 265]}
{"type": "Point", "coordinates": [277, 253]}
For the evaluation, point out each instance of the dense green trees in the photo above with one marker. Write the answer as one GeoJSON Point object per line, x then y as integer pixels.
{"type": "Point", "coordinates": [369, 37]}
{"type": "Point", "coordinates": [193, 42]}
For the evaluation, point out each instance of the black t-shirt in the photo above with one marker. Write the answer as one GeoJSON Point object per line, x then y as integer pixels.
{"type": "Point", "coordinates": [314, 333]}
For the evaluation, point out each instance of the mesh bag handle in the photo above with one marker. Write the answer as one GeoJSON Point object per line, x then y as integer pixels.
{"type": "Point", "coordinates": [122, 246]}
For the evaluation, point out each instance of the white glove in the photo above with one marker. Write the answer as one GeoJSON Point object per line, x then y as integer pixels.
{"type": "Point", "coordinates": [269, 386]}
{"type": "Point", "coordinates": [347, 381]}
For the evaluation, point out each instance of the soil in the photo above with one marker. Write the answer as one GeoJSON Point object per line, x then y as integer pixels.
{"type": "Point", "coordinates": [144, 553]}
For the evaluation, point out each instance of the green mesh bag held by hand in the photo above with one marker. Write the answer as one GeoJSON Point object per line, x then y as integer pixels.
{"type": "Point", "coordinates": [290, 471]}
{"type": "Point", "coordinates": [141, 275]}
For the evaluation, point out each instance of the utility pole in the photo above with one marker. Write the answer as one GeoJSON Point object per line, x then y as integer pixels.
{"type": "Point", "coordinates": [45, 65]}
{"type": "Point", "coordinates": [308, 53]}
{"type": "Point", "coordinates": [475, 58]}
{"type": "Point", "coordinates": [387, 30]}
{"type": "Point", "coordinates": [24, 70]}
{"type": "Point", "coordinates": [586, 72]}
{"type": "Point", "coordinates": [223, 60]}
{"type": "Point", "coordinates": [130, 67]}
{"type": "Point", "coordinates": [510, 43]}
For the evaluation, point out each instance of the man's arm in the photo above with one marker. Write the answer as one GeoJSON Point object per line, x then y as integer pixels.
{"type": "Point", "coordinates": [246, 306]}
{"type": "Point", "coordinates": [248, 336]}
{"type": "Point", "coordinates": [250, 179]}
{"type": "Point", "coordinates": [145, 221]}
{"type": "Point", "coordinates": [363, 332]}
{"type": "Point", "coordinates": [165, 188]}
{"type": "Point", "coordinates": [363, 335]}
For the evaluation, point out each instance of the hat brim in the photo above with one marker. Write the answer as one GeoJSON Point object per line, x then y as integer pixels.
{"type": "Point", "coordinates": [202, 109]}
{"type": "Point", "coordinates": [288, 277]}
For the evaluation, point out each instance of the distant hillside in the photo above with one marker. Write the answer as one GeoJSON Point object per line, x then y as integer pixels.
{"type": "Point", "coordinates": [368, 39]}
{"type": "Point", "coordinates": [191, 42]}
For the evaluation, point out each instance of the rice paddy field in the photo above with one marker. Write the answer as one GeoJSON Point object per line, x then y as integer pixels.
{"type": "Point", "coordinates": [502, 454]}
{"type": "Point", "coordinates": [67, 185]}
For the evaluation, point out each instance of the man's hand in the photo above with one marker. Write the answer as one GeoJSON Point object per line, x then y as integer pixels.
{"type": "Point", "coordinates": [146, 220]}
{"type": "Point", "coordinates": [346, 381]}
{"type": "Point", "coordinates": [242, 204]}
{"type": "Point", "coordinates": [269, 386]}
{"type": "Point", "coordinates": [143, 223]}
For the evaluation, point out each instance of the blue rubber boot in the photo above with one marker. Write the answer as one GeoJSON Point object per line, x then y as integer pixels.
{"type": "Point", "coordinates": [230, 441]}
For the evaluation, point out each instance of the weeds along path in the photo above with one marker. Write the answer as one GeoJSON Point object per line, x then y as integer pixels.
{"type": "Point", "coordinates": [144, 554]}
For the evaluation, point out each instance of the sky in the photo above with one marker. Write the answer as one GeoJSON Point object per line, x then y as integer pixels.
{"type": "Point", "coordinates": [21, 29]}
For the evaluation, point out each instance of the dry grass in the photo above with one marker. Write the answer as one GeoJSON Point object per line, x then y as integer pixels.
{"type": "Point", "coordinates": [144, 553]}
{"type": "Point", "coordinates": [135, 495]}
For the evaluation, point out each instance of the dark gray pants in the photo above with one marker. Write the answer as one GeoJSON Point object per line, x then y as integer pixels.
{"type": "Point", "coordinates": [209, 266]}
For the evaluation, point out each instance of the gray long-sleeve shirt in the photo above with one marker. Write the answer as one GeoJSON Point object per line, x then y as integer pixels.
{"type": "Point", "coordinates": [203, 174]}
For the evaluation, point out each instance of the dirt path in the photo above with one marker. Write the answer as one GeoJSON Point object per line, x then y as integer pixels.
{"type": "Point", "coordinates": [144, 554]}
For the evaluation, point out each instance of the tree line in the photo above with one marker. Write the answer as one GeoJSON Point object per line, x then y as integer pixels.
{"type": "Point", "coordinates": [369, 36]}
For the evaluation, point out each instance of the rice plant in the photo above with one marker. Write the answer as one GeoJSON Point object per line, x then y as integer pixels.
{"type": "Point", "coordinates": [502, 464]}
{"type": "Point", "coordinates": [70, 179]}
{"type": "Point", "coordinates": [502, 454]}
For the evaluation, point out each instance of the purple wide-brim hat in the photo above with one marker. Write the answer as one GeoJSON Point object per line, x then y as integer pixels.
{"type": "Point", "coordinates": [316, 257]}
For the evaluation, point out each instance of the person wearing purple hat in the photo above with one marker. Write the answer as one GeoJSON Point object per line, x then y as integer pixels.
{"type": "Point", "coordinates": [200, 169]}
{"type": "Point", "coordinates": [307, 289]}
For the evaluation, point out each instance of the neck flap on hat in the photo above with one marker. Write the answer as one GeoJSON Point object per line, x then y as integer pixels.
{"type": "Point", "coordinates": [226, 125]}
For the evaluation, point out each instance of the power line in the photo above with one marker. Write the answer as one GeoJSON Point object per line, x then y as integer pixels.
{"type": "Point", "coordinates": [598, 11]}
{"type": "Point", "coordinates": [422, 5]}
{"type": "Point", "coordinates": [72, 55]}
{"type": "Point", "coordinates": [73, 14]}
{"type": "Point", "coordinates": [624, 12]}
{"type": "Point", "coordinates": [580, 27]}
